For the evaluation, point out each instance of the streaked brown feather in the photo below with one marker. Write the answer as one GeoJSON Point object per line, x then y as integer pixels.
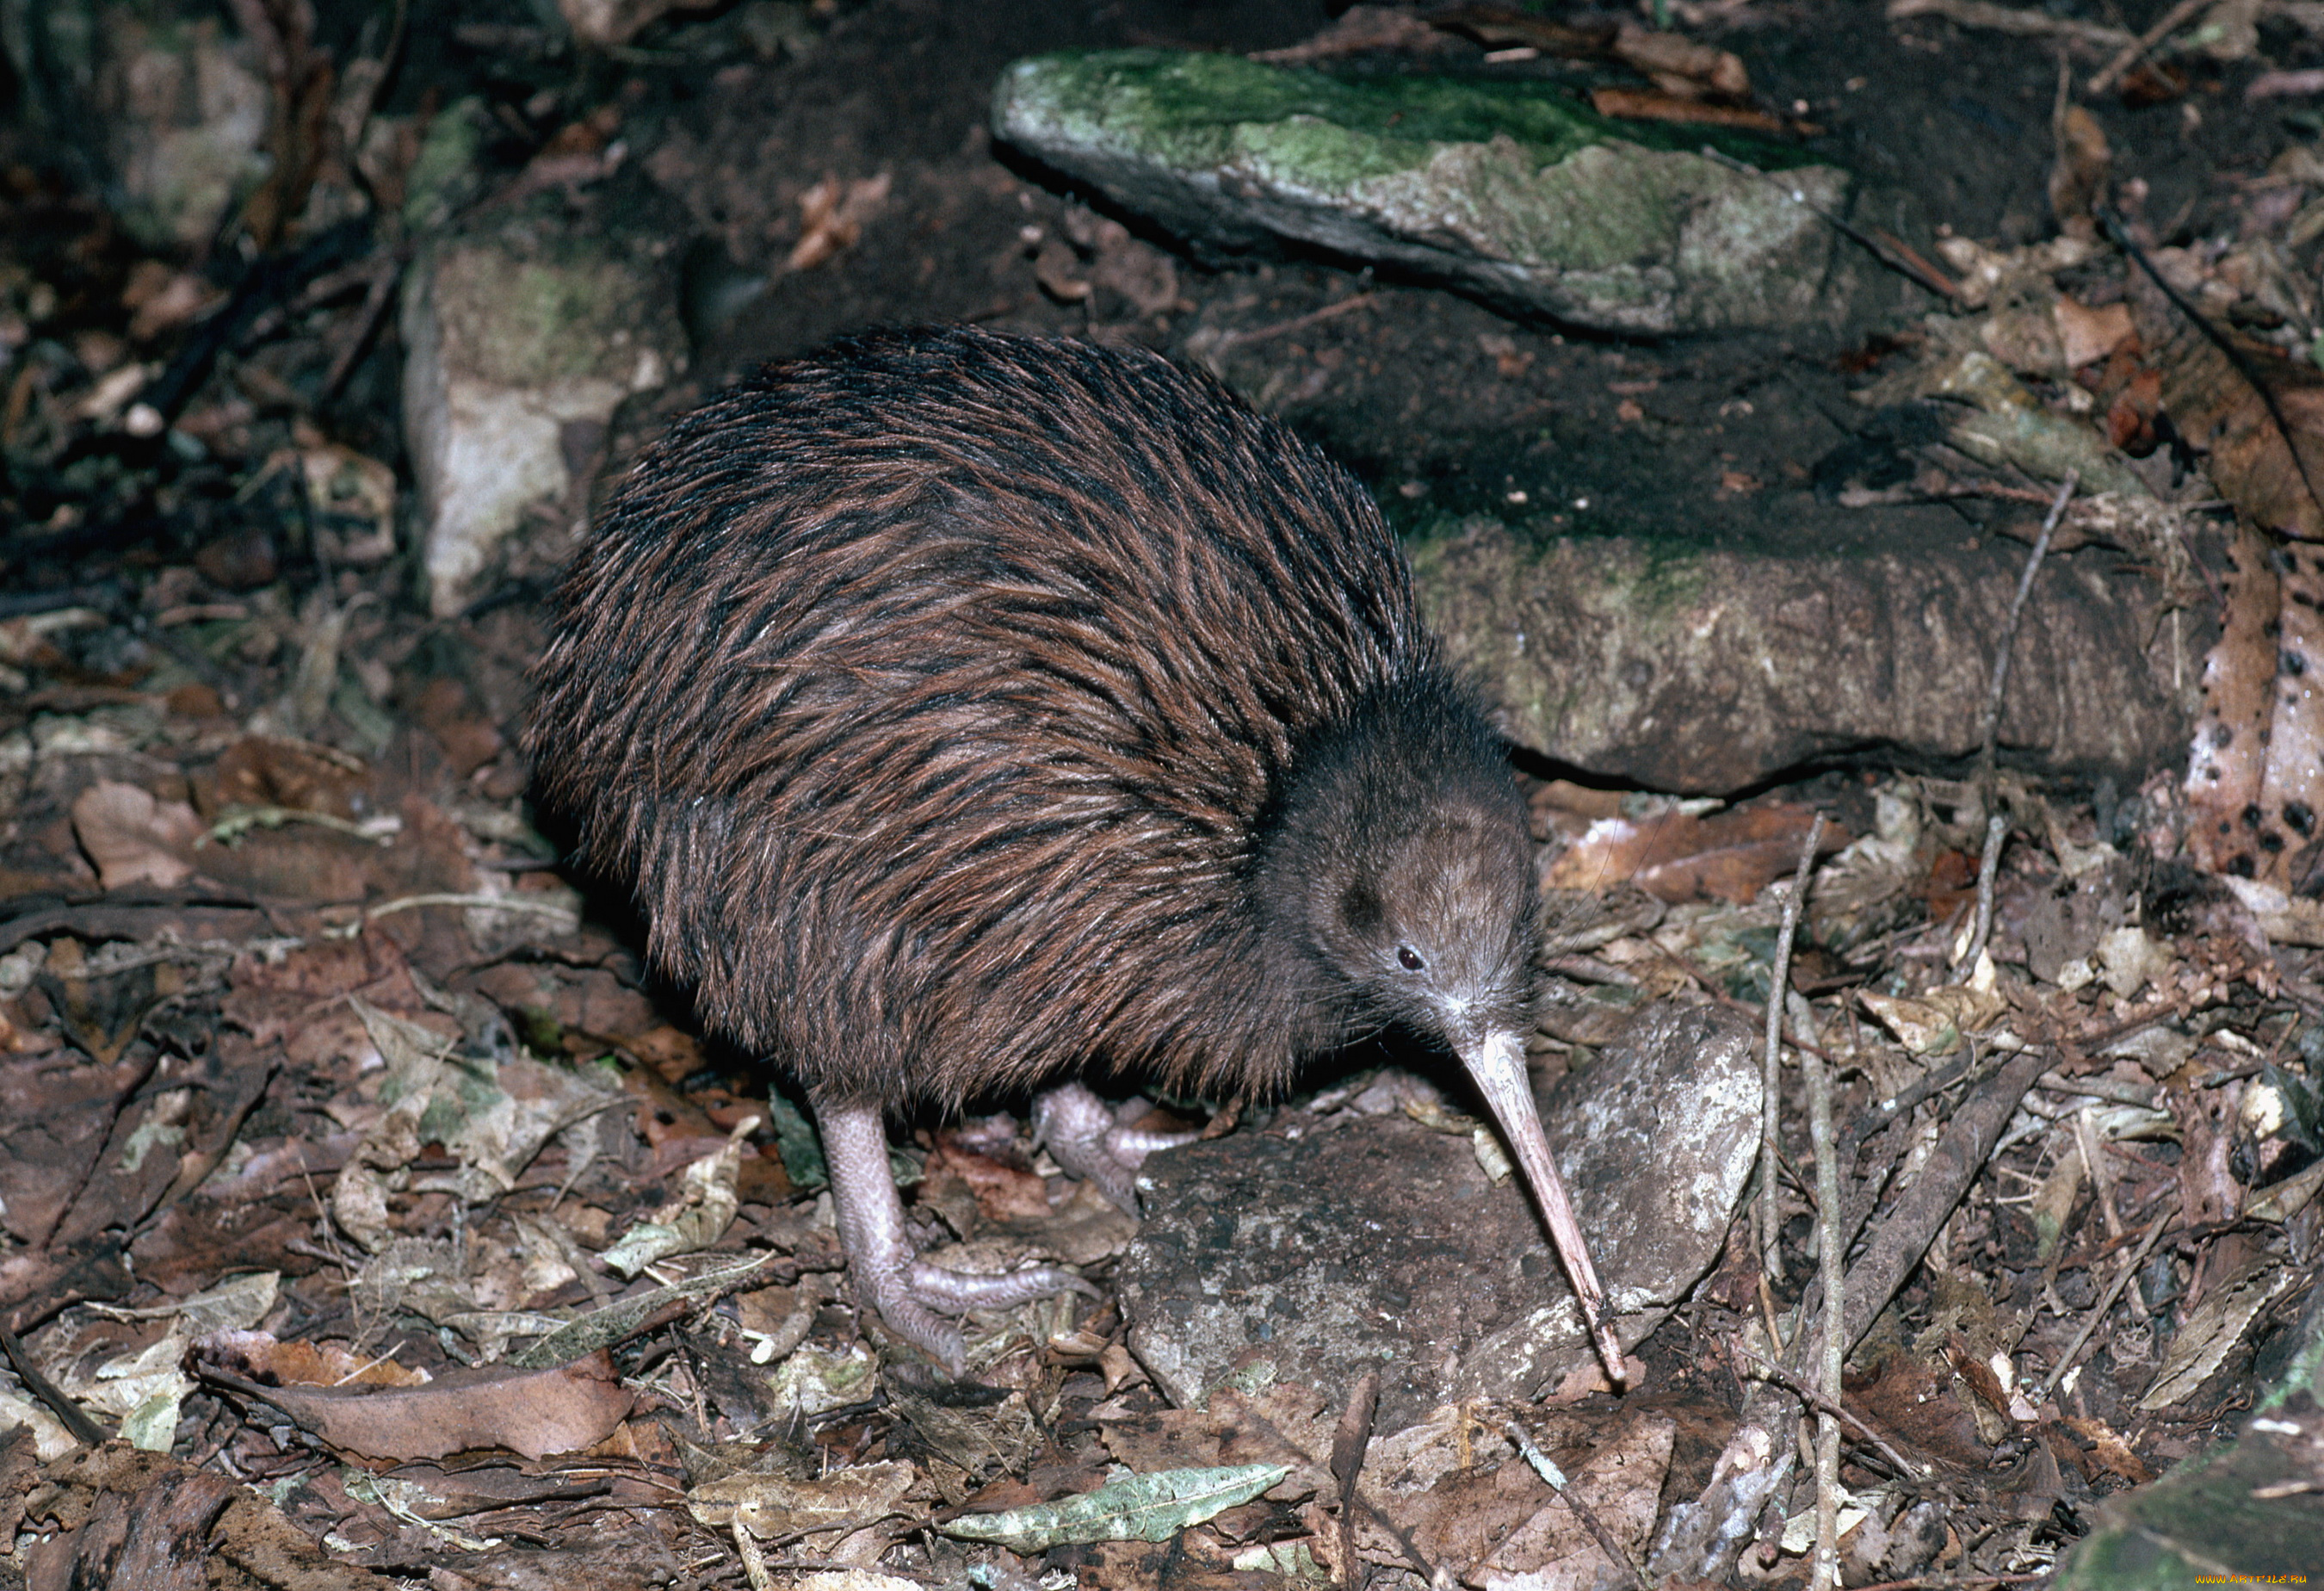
{"type": "Point", "coordinates": [940, 695]}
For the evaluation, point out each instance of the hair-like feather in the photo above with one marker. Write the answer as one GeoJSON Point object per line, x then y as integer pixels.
{"type": "Point", "coordinates": [965, 709]}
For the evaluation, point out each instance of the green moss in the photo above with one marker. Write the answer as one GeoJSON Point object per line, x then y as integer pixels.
{"type": "Point", "coordinates": [1190, 107]}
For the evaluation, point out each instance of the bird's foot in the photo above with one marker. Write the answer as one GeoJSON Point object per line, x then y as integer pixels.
{"type": "Point", "coordinates": [915, 1295]}
{"type": "Point", "coordinates": [911, 1295]}
{"type": "Point", "coordinates": [1083, 1135]}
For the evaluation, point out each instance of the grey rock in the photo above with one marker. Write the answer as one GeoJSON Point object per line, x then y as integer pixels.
{"type": "Point", "coordinates": [521, 338]}
{"type": "Point", "coordinates": [1684, 667]}
{"type": "Point", "coordinates": [160, 101]}
{"type": "Point", "coordinates": [1369, 1242]}
{"type": "Point", "coordinates": [1519, 196]}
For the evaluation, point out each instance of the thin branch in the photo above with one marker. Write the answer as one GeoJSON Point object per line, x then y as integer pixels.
{"type": "Point", "coordinates": [1988, 870]}
{"type": "Point", "coordinates": [2008, 643]}
{"type": "Point", "coordinates": [1815, 1400]}
{"type": "Point", "coordinates": [2172, 20]}
{"type": "Point", "coordinates": [1771, 1072]}
{"type": "Point", "coordinates": [1830, 1245]}
{"type": "Point", "coordinates": [2099, 1311]}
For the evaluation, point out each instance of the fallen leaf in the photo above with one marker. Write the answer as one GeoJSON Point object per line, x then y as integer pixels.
{"type": "Point", "coordinates": [2108, 1447]}
{"type": "Point", "coordinates": [2218, 406]}
{"type": "Point", "coordinates": [532, 1412]}
{"type": "Point", "coordinates": [832, 216]}
{"type": "Point", "coordinates": [2078, 171]}
{"type": "Point", "coordinates": [1729, 856]}
{"type": "Point", "coordinates": [2087, 335]}
{"type": "Point", "coordinates": [770, 1505]}
{"type": "Point", "coordinates": [134, 838]}
{"type": "Point", "coordinates": [1151, 1507]}
{"type": "Point", "coordinates": [1933, 1023]}
{"type": "Point", "coordinates": [2212, 1328]}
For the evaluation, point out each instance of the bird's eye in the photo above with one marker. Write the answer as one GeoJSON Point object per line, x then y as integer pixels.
{"type": "Point", "coordinates": [1408, 958]}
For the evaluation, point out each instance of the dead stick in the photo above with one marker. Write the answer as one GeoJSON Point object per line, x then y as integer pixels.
{"type": "Point", "coordinates": [1243, 340]}
{"type": "Point", "coordinates": [1900, 1239]}
{"type": "Point", "coordinates": [1555, 1478]}
{"type": "Point", "coordinates": [1988, 749]}
{"type": "Point", "coordinates": [1816, 1399]}
{"type": "Point", "coordinates": [2099, 1312]}
{"type": "Point", "coordinates": [1988, 870]}
{"type": "Point", "coordinates": [1771, 1063]}
{"type": "Point", "coordinates": [1348, 1444]}
{"type": "Point", "coordinates": [2253, 378]}
{"type": "Point", "coordinates": [1951, 1582]}
{"type": "Point", "coordinates": [1825, 1573]}
{"type": "Point", "coordinates": [2172, 22]}
{"type": "Point", "coordinates": [1898, 258]}
{"type": "Point", "coordinates": [1702, 1540]}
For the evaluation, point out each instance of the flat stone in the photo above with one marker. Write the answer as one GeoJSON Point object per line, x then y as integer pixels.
{"type": "Point", "coordinates": [1515, 194]}
{"type": "Point", "coordinates": [1370, 1242]}
{"type": "Point", "coordinates": [1684, 667]}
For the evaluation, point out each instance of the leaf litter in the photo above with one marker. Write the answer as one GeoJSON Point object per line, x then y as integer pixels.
{"type": "Point", "coordinates": [348, 1155]}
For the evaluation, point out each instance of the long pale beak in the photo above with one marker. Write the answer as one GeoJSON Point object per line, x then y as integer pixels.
{"type": "Point", "coordinates": [1496, 1063]}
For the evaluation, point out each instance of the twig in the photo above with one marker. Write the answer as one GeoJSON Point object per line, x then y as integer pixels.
{"type": "Point", "coordinates": [1348, 1444]}
{"type": "Point", "coordinates": [2099, 1311]}
{"type": "Point", "coordinates": [377, 297]}
{"type": "Point", "coordinates": [69, 1414]}
{"type": "Point", "coordinates": [1555, 1478]}
{"type": "Point", "coordinates": [1771, 1064]}
{"type": "Point", "coordinates": [1815, 1400]}
{"type": "Point", "coordinates": [1825, 1575]}
{"type": "Point", "coordinates": [1904, 1236]}
{"type": "Point", "coordinates": [1701, 1540]}
{"type": "Point", "coordinates": [2172, 20]}
{"type": "Point", "coordinates": [2008, 643]}
{"type": "Point", "coordinates": [564, 914]}
{"type": "Point", "coordinates": [1243, 340]}
{"type": "Point", "coordinates": [1876, 1117]}
{"type": "Point", "coordinates": [1881, 245]}
{"type": "Point", "coordinates": [2025, 21]}
{"type": "Point", "coordinates": [1989, 869]}
{"type": "Point", "coordinates": [1950, 1582]}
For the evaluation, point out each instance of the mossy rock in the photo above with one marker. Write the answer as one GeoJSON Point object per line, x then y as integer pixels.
{"type": "Point", "coordinates": [1511, 192]}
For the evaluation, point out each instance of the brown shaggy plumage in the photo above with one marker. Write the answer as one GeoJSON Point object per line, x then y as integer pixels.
{"type": "Point", "coordinates": [966, 709]}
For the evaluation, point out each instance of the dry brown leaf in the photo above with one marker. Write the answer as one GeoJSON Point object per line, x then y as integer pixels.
{"type": "Point", "coordinates": [303, 1363]}
{"type": "Point", "coordinates": [288, 773]}
{"type": "Point", "coordinates": [832, 216]}
{"type": "Point", "coordinates": [1729, 856]}
{"type": "Point", "coordinates": [769, 1506]}
{"type": "Point", "coordinates": [134, 838]}
{"type": "Point", "coordinates": [1682, 65]}
{"type": "Point", "coordinates": [1919, 1407]}
{"type": "Point", "coordinates": [1002, 1193]}
{"type": "Point", "coordinates": [2078, 174]}
{"type": "Point", "coordinates": [2231, 733]}
{"type": "Point", "coordinates": [2086, 335]}
{"type": "Point", "coordinates": [2214, 401]}
{"type": "Point", "coordinates": [531, 1412]}
{"type": "Point", "coordinates": [1359, 29]}
{"type": "Point", "coordinates": [139, 1519]}
{"type": "Point", "coordinates": [2109, 1449]}
{"type": "Point", "coordinates": [1621, 1482]}
{"type": "Point", "coordinates": [161, 298]}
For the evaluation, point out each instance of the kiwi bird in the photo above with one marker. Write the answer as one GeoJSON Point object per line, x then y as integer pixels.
{"type": "Point", "coordinates": [972, 712]}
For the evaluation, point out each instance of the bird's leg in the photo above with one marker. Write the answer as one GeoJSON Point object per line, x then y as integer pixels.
{"type": "Point", "coordinates": [1081, 1134]}
{"type": "Point", "coordinates": [905, 1290]}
